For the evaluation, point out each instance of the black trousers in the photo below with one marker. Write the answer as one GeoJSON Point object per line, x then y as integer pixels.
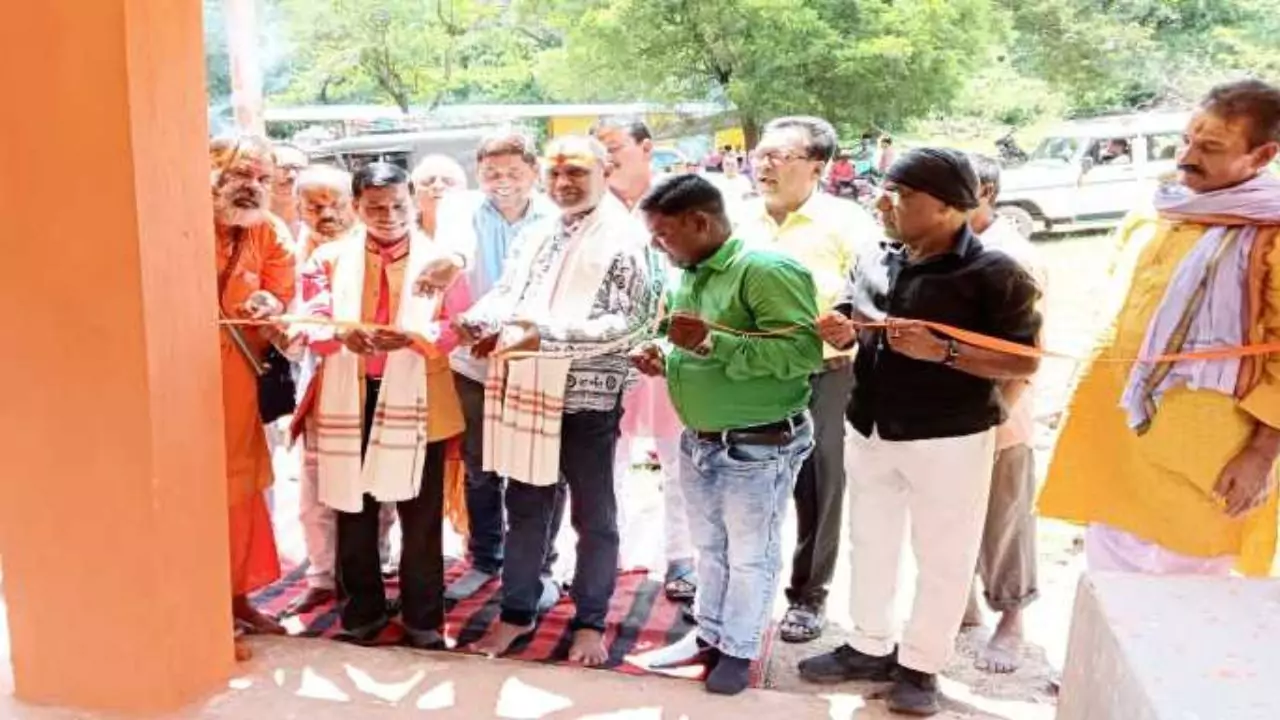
{"type": "Point", "coordinates": [485, 489]}
{"type": "Point", "coordinates": [422, 557]}
{"type": "Point", "coordinates": [819, 492]}
{"type": "Point", "coordinates": [588, 442]}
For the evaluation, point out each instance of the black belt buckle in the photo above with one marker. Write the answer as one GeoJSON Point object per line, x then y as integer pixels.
{"type": "Point", "coordinates": [762, 436]}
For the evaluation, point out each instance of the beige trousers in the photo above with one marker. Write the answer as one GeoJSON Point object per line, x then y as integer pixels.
{"type": "Point", "coordinates": [941, 486]}
{"type": "Point", "coordinates": [1007, 559]}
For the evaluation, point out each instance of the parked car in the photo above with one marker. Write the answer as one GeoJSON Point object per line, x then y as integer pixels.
{"type": "Point", "coordinates": [405, 149]}
{"type": "Point", "coordinates": [1089, 173]}
{"type": "Point", "coordinates": [665, 159]}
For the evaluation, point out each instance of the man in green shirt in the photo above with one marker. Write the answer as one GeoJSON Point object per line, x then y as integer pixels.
{"type": "Point", "coordinates": [741, 345]}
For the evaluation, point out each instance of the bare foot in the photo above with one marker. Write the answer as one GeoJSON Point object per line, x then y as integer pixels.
{"type": "Point", "coordinates": [310, 600]}
{"type": "Point", "coordinates": [500, 638]}
{"type": "Point", "coordinates": [972, 612]}
{"type": "Point", "coordinates": [247, 614]}
{"type": "Point", "coordinates": [588, 648]}
{"type": "Point", "coordinates": [243, 653]}
{"type": "Point", "coordinates": [1001, 655]}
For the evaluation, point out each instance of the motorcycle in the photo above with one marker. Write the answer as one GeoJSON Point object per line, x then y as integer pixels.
{"type": "Point", "coordinates": [861, 190]}
{"type": "Point", "coordinates": [1010, 154]}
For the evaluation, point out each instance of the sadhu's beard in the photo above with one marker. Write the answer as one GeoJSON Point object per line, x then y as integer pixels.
{"type": "Point", "coordinates": [239, 207]}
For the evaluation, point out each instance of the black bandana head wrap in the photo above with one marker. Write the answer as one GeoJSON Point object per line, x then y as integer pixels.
{"type": "Point", "coordinates": [943, 173]}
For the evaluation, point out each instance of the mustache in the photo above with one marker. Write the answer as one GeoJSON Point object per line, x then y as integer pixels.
{"type": "Point", "coordinates": [245, 198]}
{"type": "Point", "coordinates": [1191, 169]}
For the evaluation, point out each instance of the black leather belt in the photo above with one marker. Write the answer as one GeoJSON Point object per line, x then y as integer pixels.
{"type": "Point", "coordinates": [773, 434]}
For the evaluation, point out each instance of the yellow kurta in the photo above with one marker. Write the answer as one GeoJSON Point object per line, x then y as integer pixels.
{"type": "Point", "coordinates": [1159, 486]}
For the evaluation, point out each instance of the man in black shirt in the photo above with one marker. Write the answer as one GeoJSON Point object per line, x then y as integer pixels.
{"type": "Point", "coordinates": [924, 412]}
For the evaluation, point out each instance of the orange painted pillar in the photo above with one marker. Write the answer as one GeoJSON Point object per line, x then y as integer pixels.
{"type": "Point", "coordinates": [113, 524]}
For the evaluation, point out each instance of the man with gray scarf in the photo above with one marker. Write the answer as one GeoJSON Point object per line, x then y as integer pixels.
{"type": "Point", "coordinates": [924, 412]}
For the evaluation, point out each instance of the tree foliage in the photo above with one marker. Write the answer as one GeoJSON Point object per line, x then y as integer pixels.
{"type": "Point", "coordinates": [860, 63]}
{"type": "Point", "coordinates": [1108, 54]}
{"type": "Point", "coordinates": [408, 52]}
{"type": "Point", "coordinates": [218, 63]}
{"type": "Point", "coordinates": [857, 62]}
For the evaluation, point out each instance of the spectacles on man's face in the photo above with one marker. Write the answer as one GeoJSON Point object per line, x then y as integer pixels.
{"type": "Point", "coordinates": [777, 157]}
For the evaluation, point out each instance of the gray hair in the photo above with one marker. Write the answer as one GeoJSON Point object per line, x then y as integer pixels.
{"type": "Point", "coordinates": [988, 171]}
{"type": "Point", "coordinates": [821, 135]}
{"type": "Point", "coordinates": [574, 144]}
{"type": "Point", "coordinates": [323, 176]}
{"type": "Point", "coordinates": [420, 170]}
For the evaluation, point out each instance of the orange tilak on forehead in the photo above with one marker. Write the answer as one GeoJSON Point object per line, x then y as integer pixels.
{"type": "Point", "coordinates": [582, 160]}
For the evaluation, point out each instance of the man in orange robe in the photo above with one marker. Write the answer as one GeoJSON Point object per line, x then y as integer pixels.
{"type": "Point", "coordinates": [256, 277]}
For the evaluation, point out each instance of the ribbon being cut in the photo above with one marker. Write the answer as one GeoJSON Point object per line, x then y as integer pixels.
{"type": "Point", "coordinates": [1203, 307]}
{"type": "Point", "coordinates": [397, 450]}
{"type": "Point", "coordinates": [986, 342]}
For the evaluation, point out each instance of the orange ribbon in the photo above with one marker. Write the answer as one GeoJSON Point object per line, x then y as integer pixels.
{"type": "Point", "coordinates": [987, 342]}
{"type": "Point", "coordinates": [421, 342]}
{"type": "Point", "coordinates": [968, 337]}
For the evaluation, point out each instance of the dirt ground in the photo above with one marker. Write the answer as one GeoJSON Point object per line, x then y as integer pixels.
{"type": "Point", "coordinates": [1076, 266]}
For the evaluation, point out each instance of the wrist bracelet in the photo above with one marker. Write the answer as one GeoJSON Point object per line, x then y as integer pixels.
{"type": "Point", "coordinates": [953, 353]}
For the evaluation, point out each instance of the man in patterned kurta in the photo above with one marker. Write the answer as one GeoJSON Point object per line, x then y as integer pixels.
{"type": "Point", "coordinates": [575, 283]}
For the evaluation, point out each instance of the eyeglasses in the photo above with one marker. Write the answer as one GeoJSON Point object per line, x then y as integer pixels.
{"type": "Point", "coordinates": [776, 157]}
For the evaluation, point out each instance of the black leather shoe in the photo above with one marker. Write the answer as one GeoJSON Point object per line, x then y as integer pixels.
{"type": "Point", "coordinates": [845, 664]}
{"type": "Point", "coordinates": [424, 639]}
{"type": "Point", "coordinates": [914, 693]}
{"type": "Point", "coordinates": [365, 635]}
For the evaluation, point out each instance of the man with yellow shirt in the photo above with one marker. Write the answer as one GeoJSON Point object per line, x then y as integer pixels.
{"type": "Point", "coordinates": [822, 233]}
{"type": "Point", "coordinates": [1171, 464]}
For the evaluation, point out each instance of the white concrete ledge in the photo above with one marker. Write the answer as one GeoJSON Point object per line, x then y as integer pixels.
{"type": "Point", "coordinates": [1173, 648]}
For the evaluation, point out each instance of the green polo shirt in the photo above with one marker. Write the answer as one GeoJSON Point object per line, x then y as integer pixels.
{"type": "Point", "coordinates": [745, 381]}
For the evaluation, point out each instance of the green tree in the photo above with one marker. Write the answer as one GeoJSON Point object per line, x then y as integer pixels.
{"type": "Point", "coordinates": [857, 62]}
{"type": "Point", "coordinates": [1105, 54]}
{"type": "Point", "coordinates": [217, 60]}
{"type": "Point", "coordinates": [409, 51]}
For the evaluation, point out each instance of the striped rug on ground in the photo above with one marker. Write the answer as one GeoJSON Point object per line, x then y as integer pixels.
{"type": "Point", "coordinates": [641, 619]}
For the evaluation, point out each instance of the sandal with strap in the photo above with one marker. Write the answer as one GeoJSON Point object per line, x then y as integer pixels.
{"type": "Point", "coordinates": [802, 624]}
{"type": "Point", "coordinates": [680, 588]}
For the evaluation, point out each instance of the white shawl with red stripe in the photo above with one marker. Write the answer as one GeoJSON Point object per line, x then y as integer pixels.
{"type": "Point", "coordinates": [392, 467]}
{"type": "Point", "coordinates": [524, 398]}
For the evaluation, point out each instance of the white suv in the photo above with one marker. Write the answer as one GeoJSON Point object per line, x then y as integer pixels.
{"type": "Point", "coordinates": [1091, 172]}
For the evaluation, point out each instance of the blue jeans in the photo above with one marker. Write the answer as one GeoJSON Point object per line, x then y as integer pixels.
{"type": "Point", "coordinates": [737, 498]}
